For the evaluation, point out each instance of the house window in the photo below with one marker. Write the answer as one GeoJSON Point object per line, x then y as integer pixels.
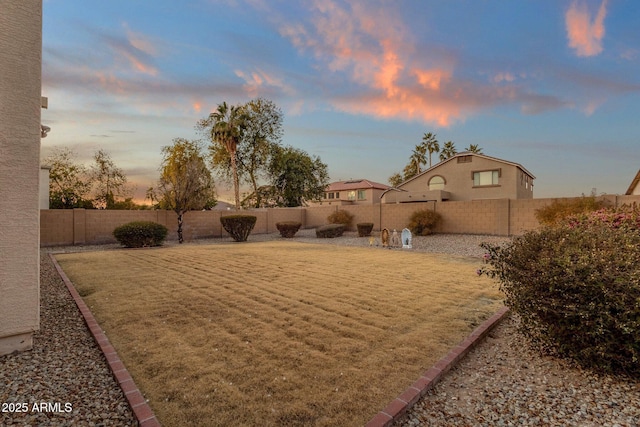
{"type": "Point", "coordinates": [362, 195]}
{"type": "Point", "coordinates": [436, 183]}
{"type": "Point", "coordinates": [485, 178]}
{"type": "Point", "coordinates": [331, 195]}
{"type": "Point", "coordinates": [465, 159]}
{"type": "Point", "coordinates": [337, 194]}
{"type": "Point", "coordinates": [351, 195]}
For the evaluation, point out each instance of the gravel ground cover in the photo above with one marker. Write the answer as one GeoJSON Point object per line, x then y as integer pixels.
{"type": "Point", "coordinates": [500, 382]}
{"type": "Point", "coordinates": [65, 375]}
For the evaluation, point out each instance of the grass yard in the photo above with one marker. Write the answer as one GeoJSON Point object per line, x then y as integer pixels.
{"type": "Point", "coordinates": [279, 333]}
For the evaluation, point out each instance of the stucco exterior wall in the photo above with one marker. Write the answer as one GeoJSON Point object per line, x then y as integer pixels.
{"type": "Point", "coordinates": [459, 180]}
{"type": "Point", "coordinates": [20, 87]}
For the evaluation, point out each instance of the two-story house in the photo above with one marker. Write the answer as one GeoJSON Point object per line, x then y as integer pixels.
{"type": "Point", "coordinates": [353, 192]}
{"type": "Point", "coordinates": [465, 176]}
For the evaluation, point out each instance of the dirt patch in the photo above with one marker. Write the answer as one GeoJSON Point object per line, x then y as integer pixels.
{"type": "Point", "coordinates": [279, 333]}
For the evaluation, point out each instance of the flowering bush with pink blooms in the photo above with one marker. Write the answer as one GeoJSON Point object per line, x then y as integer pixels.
{"type": "Point", "coordinates": [576, 287]}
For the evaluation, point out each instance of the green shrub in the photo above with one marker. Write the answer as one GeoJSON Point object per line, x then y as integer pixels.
{"type": "Point", "coordinates": [330, 230]}
{"type": "Point", "coordinates": [560, 210]}
{"type": "Point", "coordinates": [139, 234]}
{"type": "Point", "coordinates": [423, 222]}
{"type": "Point", "coordinates": [238, 226]}
{"type": "Point", "coordinates": [341, 217]}
{"type": "Point", "coordinates": [364, 229]}
{"type": "Point", "coordinates": [576, 288]}
{"type": "Point", "coordinates": [288, 229]}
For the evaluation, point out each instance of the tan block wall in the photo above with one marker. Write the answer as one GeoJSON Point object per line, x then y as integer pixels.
{"type": "Point", "coordinates": [56, 227]}
{"type": "Point", "coordinates": [397, 216]}
{"type": "Point", "coordinates": [317, 215]}
{"type": "Point", "coordinates": [475, 217]}
{"type": "Point", "coordinates": [285, 214]}
{"type": "Point", "coordinates": [502, 217]}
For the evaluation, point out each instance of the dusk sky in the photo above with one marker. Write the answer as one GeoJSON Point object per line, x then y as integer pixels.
{"type": "Point", "coordinates": [553, 85]}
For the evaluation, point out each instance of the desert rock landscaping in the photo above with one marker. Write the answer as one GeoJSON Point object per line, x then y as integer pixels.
{"type": "Point", "coordinates": [281, 332]}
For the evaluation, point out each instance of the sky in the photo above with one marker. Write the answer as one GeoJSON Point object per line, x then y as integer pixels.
{"type": "Point", "coordinates": [550, 84]}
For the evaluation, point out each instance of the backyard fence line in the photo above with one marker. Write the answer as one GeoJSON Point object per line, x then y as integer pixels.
{"type": "Point", "coordinates": [500, 217]}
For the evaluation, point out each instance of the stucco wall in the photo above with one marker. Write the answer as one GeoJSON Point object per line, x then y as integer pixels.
{"type": "Point", "coordinates": [20, 86]}
{"type": "Point", "coordinates": [459, 180]}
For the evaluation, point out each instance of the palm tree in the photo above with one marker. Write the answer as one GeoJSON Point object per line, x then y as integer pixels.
{"type": "Point", "coordinates": [473, 148]}
{"type": "Point", "coordinates": [418, 158]}
{"type": "Point", "coordinates": [228, 125]}
{"type": "Point", "coordinates": [430, 142]}
{"type": "Point", "coordinates": [448, 151]}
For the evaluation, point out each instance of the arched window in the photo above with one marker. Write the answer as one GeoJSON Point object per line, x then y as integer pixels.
{"type": "Point", "coordinates": [436, 183]}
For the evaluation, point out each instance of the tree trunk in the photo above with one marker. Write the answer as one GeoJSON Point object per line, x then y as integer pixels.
{"type": "Point", "coordinates": [180, 239]}
{"type": "Point", "coordinates": [236, 181]}
{"type": "Point", "coordinates": [255, 190]}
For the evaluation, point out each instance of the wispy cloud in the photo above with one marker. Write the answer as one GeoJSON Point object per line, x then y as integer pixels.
{"type": "Point", "coordinates": [369, 48]}
{"type": "Point", "coordinates": [585, 35]}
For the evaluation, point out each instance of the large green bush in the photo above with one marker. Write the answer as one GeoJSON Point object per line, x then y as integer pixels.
{"type": "Point", "coordinates": [140, 234]}
{"type": "Point", "coordinates": [238, 226]}
{"type": "Point", "coordinates": [576, 288]}
{"type": "Point", "coordinates": [423, 222]}
{"type": "Point", "coordinates": [288, 229]}
{"type": "Point", "coordinates": [341, 217]}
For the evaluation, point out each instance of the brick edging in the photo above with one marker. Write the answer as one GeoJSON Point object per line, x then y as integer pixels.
{"type": "Point", "coordinates": [398, 407]}
{"type": "Point", "coordinates": [141, 409]}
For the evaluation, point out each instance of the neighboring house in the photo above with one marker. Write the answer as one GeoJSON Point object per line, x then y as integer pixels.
{"type": "Point", "coordinates": [634, 188]}
{"type": "Point", "coordinates": [353, 192]}
{"type": "Point", "coordinates": [465, 176]}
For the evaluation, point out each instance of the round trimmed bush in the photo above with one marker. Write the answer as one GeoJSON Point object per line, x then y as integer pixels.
{"type": "Point", "coordinates": [364, 228]}
{"type": "Point", "coordinates": [238, 226]}
{"type": "Point", "coordinates": [330, 231]}
{"type": "Point", "coordinates": [576, 288]}
{"type": "Point", "coordinates": [288, 229]}
{"type": "Point", "coordinates": [139, 234]}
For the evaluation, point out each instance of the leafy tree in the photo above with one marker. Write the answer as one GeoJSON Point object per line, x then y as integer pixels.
{"type": "Point", "coordinates": [296, 176]}
{"type": "Point", "coordinates": [69, 182]}
{"type": "Point", "coordinates": [448, 151]}
{"type": "Point", "coordinates": [226, 126]}
{"type": "Point", "coordinates": [474, 148]}
{"type": "Point", "coordinates": [185, 182]}
{"type": "Point", "coordinates": [263, 131]}
{"type": "Point", "coordinates": [431, 144]}
{"type": "Point", "coordinates": [265, 197]}
{"type": "Point", "coordinates": [395, 179]}
{"type": "Point", "coordinates": [110, 181]}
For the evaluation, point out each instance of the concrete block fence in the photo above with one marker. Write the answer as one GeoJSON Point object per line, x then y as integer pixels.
{"type": "Point", "coordinates": [500, 217]}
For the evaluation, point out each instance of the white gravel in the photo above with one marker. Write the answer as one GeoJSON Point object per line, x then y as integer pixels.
{"type": "Point", "coordinates": [500, 383]}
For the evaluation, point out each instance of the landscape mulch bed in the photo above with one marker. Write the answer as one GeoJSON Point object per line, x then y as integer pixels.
{"type": "Point", "coordinates": [279, 333]}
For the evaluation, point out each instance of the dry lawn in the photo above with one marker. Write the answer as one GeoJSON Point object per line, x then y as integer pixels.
{"type": "Point", "coordinates": [279, 333]}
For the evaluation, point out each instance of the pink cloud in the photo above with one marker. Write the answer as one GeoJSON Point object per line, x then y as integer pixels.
{"type": "Point", "coordinates": [372, 48]}
{"type": "Point", "coordinates": [368, 47]}
{"type": "Point", "coordinates": [585, 35]}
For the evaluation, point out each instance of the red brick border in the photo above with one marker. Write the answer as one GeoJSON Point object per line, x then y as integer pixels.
{"type": "Point", "coordinates": [398, 407]}
{"type": "Point", "coordinates": [137, 402]}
